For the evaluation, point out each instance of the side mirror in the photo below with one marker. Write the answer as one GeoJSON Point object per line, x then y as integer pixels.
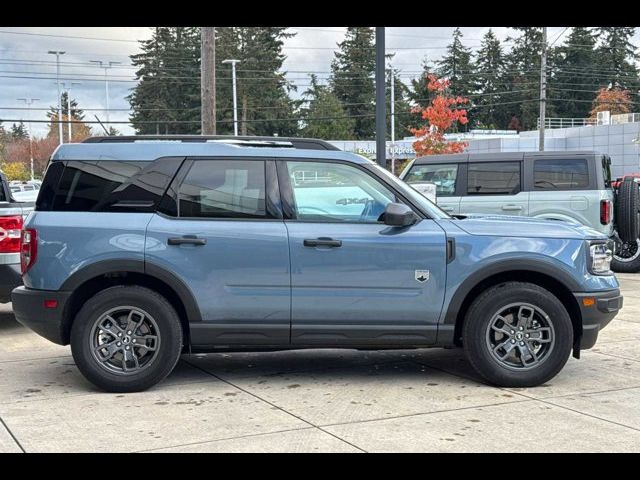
{"type": "Point", "coordinates": [399, 215]}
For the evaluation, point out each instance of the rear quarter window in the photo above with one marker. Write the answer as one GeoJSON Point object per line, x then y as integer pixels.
{"type": "Point", "coordinates": [561, 174]}
{"type": "Point", "coordinates": [113, 186]}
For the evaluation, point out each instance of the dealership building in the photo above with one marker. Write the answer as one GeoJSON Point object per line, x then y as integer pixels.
{"type": "Point", "coordinates": [620, 139]}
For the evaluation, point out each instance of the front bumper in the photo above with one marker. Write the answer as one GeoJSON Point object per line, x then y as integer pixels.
{"type": "Point", "coordinates": [10, 278]}
{"type": "Point", "coordinates": [596, 314]}
{"type": "Point", "coordinates": [29, 309]}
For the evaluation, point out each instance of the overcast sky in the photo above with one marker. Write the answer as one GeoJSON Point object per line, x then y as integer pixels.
{"type": "Point", "coordinates": [27, 71]}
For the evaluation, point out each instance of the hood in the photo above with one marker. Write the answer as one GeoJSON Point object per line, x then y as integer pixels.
{"type": "Point", "coordinates": [512, 226]}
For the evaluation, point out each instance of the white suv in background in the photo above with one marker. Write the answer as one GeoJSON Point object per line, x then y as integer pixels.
{"type": "Point", "coordinates": [573, 186]}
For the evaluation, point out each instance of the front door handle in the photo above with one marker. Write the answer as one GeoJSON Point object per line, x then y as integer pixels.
{"type": "Point", "coordinates": [512, 207]}
{"type": "Point", "coordinates": [187, 240]}
{"type": "Point", "coordinates": [322, 242]}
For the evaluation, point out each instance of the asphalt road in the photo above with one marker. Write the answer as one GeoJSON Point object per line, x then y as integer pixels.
{"type": "Point", "coordinates": [324, 400]}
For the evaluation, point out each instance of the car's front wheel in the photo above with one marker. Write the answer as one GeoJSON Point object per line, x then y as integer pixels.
{"type": "Point", "coordinates": [517, 335]}
{"type": "Point", "coordinates": [126, 339]}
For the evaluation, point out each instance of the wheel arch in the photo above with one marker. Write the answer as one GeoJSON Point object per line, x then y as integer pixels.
{"type": "Point", "coordinates": [556, 281]}
{"type": "Point", "coordinates": [94, 278]}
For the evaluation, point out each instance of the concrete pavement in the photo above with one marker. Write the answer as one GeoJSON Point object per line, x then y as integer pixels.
{"type": "Point", "coordinates": [324, 401]}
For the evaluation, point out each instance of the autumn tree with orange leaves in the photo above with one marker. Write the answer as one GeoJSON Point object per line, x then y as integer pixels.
{"type": "Point", "coordinates": [615, 100]}
{"type": "Point", "coordinates": [441, 115]}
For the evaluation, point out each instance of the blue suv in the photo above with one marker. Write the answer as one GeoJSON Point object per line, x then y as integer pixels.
{"type": "Point", "coordinates": [142, 249]}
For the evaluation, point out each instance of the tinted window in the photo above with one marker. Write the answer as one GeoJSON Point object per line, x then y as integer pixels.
{"type": "Point", "coordinates": [224, 189]}
{"type": "Point", "coordinates": [332, 192]}
{"type": "Point", "coordinates": [444, 176]}
{"type": "Point", "coordinates": [606, 170]}
{"type": "Point", "coordinates": [561, 174]}
{"type": "Point", "coordinates": [113, 186]}
{"type": "Point", "coordinates": [493, 178]}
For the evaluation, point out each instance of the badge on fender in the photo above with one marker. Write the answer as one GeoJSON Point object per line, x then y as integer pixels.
{"type": "Point", "coordinates": [422, 276]}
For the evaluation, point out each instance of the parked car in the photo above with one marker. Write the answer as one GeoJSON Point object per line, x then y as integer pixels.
{"type": "Point", "coordinates": [12, 215]}
{"type": "Point", "coordinates": [565, 185]}
{"type": "Point", "coordinates": [140, 251]}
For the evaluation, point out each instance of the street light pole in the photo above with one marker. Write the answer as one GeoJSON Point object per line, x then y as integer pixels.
{"type": "Point", "coordinates": [57, 53]}
{"type": "Point", "coordinates": [235, 96]}
{"type": "Point", "coordinates": [393, 121]}
{"type": "Point", "coordinates": [106, 66]}
{"type": "Point", "coordinates": [28, 102]}
{"type": "Point", "coordinates": [68, 90]}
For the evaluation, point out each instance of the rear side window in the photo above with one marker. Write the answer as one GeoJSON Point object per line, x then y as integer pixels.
{"type": "Point", "coordinates": [113, 186]}
{"type": "Point", "coordinates": [561, 174]}
{"type": "Point", "coordinates": [224, 189]}
{"type": "Point", "coordinates": [493, 178]}
{"type": "Point", "coordinates": [444, 177]}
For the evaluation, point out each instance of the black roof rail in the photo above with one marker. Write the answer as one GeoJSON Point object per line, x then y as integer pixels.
{"type": "Point", "coordinates": [248, 141]}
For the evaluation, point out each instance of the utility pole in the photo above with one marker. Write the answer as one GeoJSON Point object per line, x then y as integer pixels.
{"type": "Point", "coordinates": [57, 53]}
{"type": "Point", "coordinates": [68, 90]}
{"type": "Point", "coordinates": [208, 80]}
{"type": "Point", "coordinates": [235, 96]}
{"type": "Point", "coordinates": [28, 102]}
{"type": "Point", "coordinates": [543, 89]}
{"type": "Point", "coordinates": [381, 121]}
{"type": "Point", "coordinates": [393, 120]}
{"type": "Point", "coordinates": [106, 66]}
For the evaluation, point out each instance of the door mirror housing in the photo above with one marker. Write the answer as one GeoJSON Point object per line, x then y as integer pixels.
{"type": "Point", "coordinates": [399, 215]}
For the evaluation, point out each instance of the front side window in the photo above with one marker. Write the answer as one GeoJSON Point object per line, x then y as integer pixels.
{"type": "Point", "coordinates": [444, 177]}
{"type": "Point", "coordinates": [493, 178]}
{"type": "Point", "coordinates": [224, 189]}
{"type": "Point", "coordinates": [561, 174]}
{"type": "Point", "coordinates": [333, 192]}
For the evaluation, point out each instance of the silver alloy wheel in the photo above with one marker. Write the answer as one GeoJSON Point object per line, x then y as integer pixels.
{"type": "Point", "coordinates": [125, 340]}
{"type": "Point", "coordinates": [520, 336]}
{"type": "Point", "coordinates": [627, 252]}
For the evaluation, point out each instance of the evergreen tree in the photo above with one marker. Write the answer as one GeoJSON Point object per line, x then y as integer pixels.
{"type": "Point", "coordinates": [352, 79]}
{"type": "Point", "coordinates": [323, 104]}
{"type": "Point", "coordinates": [76, 112]}
{"type": "Point", "coordinates": [523, 78]}
{"type": "Point", "coordinates": [574, 81]}
{"type": "Point", "coordinates": [264, 105]}
{"type": "Point", "coordinates": [166, 99]}
{"type": "Point", "coordinates": [490, 82]}
{"type": "Point", "coordinates": [19, 132]}
{"type": "Point", "coordinates": [456, 65]}
{"type": "Point", "coordinates": [616, 57]}
{"type": "Point", "coordinates": [419, 95]}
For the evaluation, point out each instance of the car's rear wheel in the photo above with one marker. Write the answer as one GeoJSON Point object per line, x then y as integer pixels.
{"type": "Point", "coordinates": [626, 258]}
{"type": "Point", "coordinates": [517, 335]}
{"type": "Point", "coordinates": [126, 339]}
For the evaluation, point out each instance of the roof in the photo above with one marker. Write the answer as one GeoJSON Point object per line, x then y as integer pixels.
{"type": "Point", "coordinates": [285, 142]}
{"type": "Point", "coordinates": [149, 150]}
{"type": "Point", "coordinates": [500, 156]}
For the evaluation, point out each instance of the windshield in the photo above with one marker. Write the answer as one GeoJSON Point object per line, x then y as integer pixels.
{"type": "Point", "coordinates": [423, 202]}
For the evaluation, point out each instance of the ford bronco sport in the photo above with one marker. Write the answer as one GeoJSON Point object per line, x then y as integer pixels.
{"type": "Point", "coordinates": [142, 249]}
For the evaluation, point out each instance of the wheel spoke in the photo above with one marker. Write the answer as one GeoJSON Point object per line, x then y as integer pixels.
{"type": "Point", "coordinates": [505, 329]}
{"type": "Point", "coordinates": [142, 341]}
{"type": "Point", "coordinates": [540, 335]}
{"type": "Point", "coordinates": [132, 325]}
{"type": "Point", "coordinates": [507, 346]}
{"type": "Point", "coordinates": [111, 349]}
{"type": "Point", "coordinates": [523, 319]}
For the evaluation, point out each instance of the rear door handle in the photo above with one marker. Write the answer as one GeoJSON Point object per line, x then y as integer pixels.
{"type": "Point", "coordinates": [512, 207]}
{"type": "Point", "coordinates": [187, 240]}
{"type": "Point", "coordinates": [322, 242]}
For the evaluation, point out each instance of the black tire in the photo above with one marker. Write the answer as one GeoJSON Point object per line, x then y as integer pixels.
{"type": "Point", "coordinates": [163, 358]}
{"type": "Point", "coordinates": [628, 210]}
{"type": "Point", "coordinates": [627, 258]}
{"type": "Point", "coordinates": [477, 328]}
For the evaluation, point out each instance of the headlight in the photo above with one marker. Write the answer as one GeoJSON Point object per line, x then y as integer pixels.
{"type": "Point", "coordinates": [600, 256]}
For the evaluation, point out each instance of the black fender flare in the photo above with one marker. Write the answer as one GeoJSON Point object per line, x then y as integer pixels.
{"type": "Point", "coordinates": [105, 267]}
{"type": "Point", "coordinates": [504, 266]}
